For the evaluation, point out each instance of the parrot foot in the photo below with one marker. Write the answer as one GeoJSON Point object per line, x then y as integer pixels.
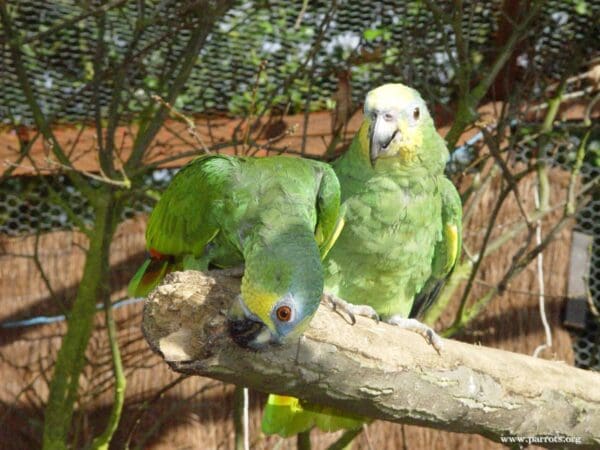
{"type": "Point", "coordinates": [352, 310]}
{"type": "Point", "coordinates": [418, 327]}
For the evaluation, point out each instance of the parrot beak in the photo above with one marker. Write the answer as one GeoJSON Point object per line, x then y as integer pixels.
{"type": "Point", "coordinates": [383, 131]}
{"type": "Point", "coordinates": [246, 329]}
{"type": "Point", "coordinates": [248, 333]}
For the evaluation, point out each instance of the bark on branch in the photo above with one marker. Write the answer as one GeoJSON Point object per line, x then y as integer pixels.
{"type": "Point", "coordinates": [376, 370]}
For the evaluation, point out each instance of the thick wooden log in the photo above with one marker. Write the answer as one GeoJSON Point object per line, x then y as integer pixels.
{"type": "Point", "coordinates": [377, 370]}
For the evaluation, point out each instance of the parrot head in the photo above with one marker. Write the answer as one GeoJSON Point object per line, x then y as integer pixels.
{"type": "Point", "coordinates": [397, 124]}
{"type": "Point", "coordinates": [281, 291]}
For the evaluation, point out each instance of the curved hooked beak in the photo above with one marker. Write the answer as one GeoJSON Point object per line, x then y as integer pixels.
{"type": "Point", "coordinates": [383, 131]}
{"type": "Point", "coordinates": [246, 329]}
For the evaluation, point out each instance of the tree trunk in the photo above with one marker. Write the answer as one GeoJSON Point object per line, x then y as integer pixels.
{"type": "Point", "coordinates": [71, 356]}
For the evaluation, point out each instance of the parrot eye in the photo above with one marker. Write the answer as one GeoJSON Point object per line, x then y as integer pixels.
{"type": "Point", "coordinates": [284, 313]}
{"type": "Point", "coordinates": [416, 113]}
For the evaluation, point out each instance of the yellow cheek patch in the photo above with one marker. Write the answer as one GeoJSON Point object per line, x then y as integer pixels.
{"type": "Point", "coordinates": [259, 302]}
{"type": "Point", "coordinates": [412, 140]}
{"type": "Point", "coordinates": [363, 136]}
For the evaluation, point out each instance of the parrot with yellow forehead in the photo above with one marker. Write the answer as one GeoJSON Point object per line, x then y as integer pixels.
{"type": "Point", "coordinates": [278, 216]}
{"type": "Point", "coordinates": [402, 232]}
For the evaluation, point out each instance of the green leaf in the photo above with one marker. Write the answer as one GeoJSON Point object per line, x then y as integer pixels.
{"type": "Point", "coordinates": [151, 82]}
{"type": "Point", "coordinates": [580, 7]}
{"type": "Point", "coordinates": [372, 33]}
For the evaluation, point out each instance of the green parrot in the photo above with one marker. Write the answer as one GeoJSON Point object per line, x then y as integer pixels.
{"type": "Point", "coordinates": [278, 216]}
{"type": "Point", "coordinates": [402, 232]}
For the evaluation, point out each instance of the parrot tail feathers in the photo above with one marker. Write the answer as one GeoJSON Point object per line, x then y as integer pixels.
{"type": "Point", "coordinates": [288, 416]}
{"type": "Point", "coordinates": [284, 416]}
{"type": "Point", "coordinates": [148, 276]}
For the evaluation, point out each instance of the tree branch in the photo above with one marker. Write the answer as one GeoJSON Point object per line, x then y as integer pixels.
{"type": "Point", "coordinates": [152, 119]}
{"type": "Point", "coordinates": [376, 370]}
{"type": "Point", "coordinates": [469, 99]}
{"type": "Point", "coordinates": [30, 96]}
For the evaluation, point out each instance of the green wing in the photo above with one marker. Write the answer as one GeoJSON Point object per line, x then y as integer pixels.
{"type": "Point", "coordinates": [447, 249]}
{"type": "Point", "coordinates": [330, 220]}
{"type": "Point", "coordinates": [184, 220]}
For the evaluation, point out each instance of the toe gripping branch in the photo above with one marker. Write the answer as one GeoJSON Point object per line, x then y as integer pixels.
{"type": "Point", "coordinates": [342, 306]}
{"type": "Point", "coordinates": [338, 304]}
{"type": "Point", "coordinates": [418, 327]}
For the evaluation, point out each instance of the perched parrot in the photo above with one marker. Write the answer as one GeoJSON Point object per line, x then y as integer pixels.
{"type": "Point", "coordinates": [277, 216]}
{"type": "Point", "coordinates": [402, 232]}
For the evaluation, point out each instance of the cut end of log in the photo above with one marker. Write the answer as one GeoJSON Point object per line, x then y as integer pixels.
{"type": "Point", "coordinates": [185, 317]}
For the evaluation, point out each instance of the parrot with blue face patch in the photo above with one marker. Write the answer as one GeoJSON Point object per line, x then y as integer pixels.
{"type": "Point", "coordinates": [277, 216]}
{"type": "Point", "coordinates": [402, 232]}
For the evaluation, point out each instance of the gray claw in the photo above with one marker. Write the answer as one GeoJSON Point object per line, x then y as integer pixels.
{"type": "Point", "coordinates": [359, 310]}
{"type": "Point", "coordinates": [430, 336]}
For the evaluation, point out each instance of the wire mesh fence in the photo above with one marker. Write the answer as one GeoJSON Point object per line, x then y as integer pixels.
{"type": "Point", "coordinates": [30, 205]}
{"type": "Point", "coordinates": [305, 49]}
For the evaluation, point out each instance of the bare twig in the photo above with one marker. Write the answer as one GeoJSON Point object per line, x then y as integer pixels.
{"type": "Point", "coordinates": [470, 98]}
{"type": "Point", "coordinates": [468, 314]}
{"type": "Point", "coordinates": [506, 172]}
{"type": "Point", "coordinates": [144, 408]}
{"type": "Point", "coordinates": [103, 178]}
{"type": "Point", "coordinates": [33, 104]}
{"type": "Point", "coordinates": [541, 285]}
{"type": "Point", "coordinates": [165, 414]}
{"type": "Point", "coordinates": [103, 440]}
{"type": "Point", "coordinates": [467, 267]}
{"type": "Point", "coordinates": [191, 126]}
{"type": "Point", "coordinates": [152, 120]}
{"type": "Point", "coordinates": [56, 198]}
{"type": "Point", "coordinates": [345, 439]}
{"type": "Point", "coordinates": [543, 183]}
{"type": "Point", "coordinates": [301, 14]}
{"type": "Point", "coordinates": [26, 142]}
{"type": "Point", "coordinates": [51, 30]}
{"type": "Point", "coordinates": [463, 301]}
